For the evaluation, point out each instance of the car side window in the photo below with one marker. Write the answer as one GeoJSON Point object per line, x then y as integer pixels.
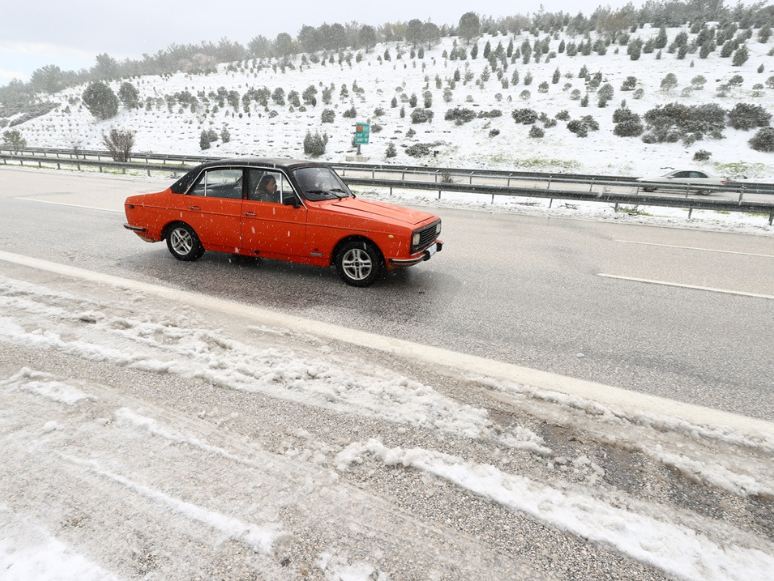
{"type": "Point", "coordinates": [697, 174]}
{"type": "Point", "coordinates": [219, 183]}
{"type": "Point", "coordinates": [682, 174]}
{"type": "Point", "coordinates": [268, 186]}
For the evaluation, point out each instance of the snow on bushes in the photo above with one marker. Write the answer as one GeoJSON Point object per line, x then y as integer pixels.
{"type": "Point", "coordinates": [745, 116]}
{"type": "Point", "coordinates": [460, 115]}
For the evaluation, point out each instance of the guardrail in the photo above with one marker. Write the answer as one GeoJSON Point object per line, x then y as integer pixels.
{"type": "Point", "coordinates": [460, 173]}
{"type": "Point", "coordinates": [739, 205]}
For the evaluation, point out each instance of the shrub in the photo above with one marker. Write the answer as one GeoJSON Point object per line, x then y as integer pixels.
{"type": "Point", "coordinates": [763, 140]}
{"type": "Point", "coordinates": [669, 82]}
{"type": "Point", "coordinates": [376, 128]}
{"type": "Point", "coordinates": [628, 124]}
{"type": "Point", "coordinates": [629, 84]}
{"type": "Point", "coordinates": [378, 112]}
{"type": "Point", "coordinates": [411, 133]}
{"type": "Point", "coordinates": [525, 95]}
{"type": "Point", "coordinates": [120, 143]}
{"type": "Point", "coordinates": [129, 96]}
{"type": "Point", "coordinates": [701, 155]}
{"type": "Point", "coordinates": [278, 96]}
{"type": "Point", "coordinates": [490, 114]}
{"type": "Point", "coordinates": [745, 116]}
{"type": "Point", "coordinates": [543, 87]}
{"type": "Point", "coordinates": [350, 113]}
{"type": "Point", "coordinates": [391, 151]}
{"type": "Point", "coordinates": [639, 93]}
{"type": "Point", "coordinates": [528, 78]}
{"type": "Point", "coordinates": [575, 94]}
{"type": "Point", "coordinates": [204, 140]}
{"type": "Point", "coordinates": [100, 100]}
{"type": "Point", "coordinates": [740, 56]}
{"type": "Point", "coordinates": [328, 116]}
{"type": "Point", "coordinates": [494, 132]}
{"type": "Point", "coordinates": [14, 141]}
{"type": "Point", "coordinates": [525, 116]}
{"type": "Point", "coordinates": [225, 136]}
{"type": "Point", "coordinates": [736, 81]}
{"type": "Point", "coordinates": [584, 102]}
{"type": "Point", "coordinates": [563, 115]}
{"type": "Point", "coordinates": [698, 82]}
{"type": "Point", "coordinates": [577, 128]}
{"type": "Point", "coordinates": [418, 150]}
{"type": "Point", "coordinates": [536, 131]}
{"type": "Point", "coordinates": [420, 115]}
{"type": "Point", "coordinates": [460, 115]}
{"type": "Point", "coordinates": [314, 144]}
{"type": "Point", "coordinates": [674, 121]}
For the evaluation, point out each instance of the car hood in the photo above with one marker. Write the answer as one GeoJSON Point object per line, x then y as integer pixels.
{"type": "Point", "coordinates": [378, 210]}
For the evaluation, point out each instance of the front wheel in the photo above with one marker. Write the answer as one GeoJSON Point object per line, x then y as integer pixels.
{"type": "Point", "coordinates": [183, 243]}
{"type": "Point", "coordinates": [358, 263]}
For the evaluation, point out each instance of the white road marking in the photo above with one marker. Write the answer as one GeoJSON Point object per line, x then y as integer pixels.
{"type": "Point", "coordinates": [71, 205]}
{"type": "Point", "coordinates": [695, 248]}
{"type": "Point", "coordinates": [690, 286]}
{"type": "Point", "coordinates": [616, 396]}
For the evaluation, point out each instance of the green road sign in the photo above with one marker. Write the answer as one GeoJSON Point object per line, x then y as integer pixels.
{"type": "Point", "coordinates": [362, 133]}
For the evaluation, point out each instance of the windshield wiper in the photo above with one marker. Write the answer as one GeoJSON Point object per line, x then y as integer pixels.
{"type": "Point", "coordinates": [321, 192]}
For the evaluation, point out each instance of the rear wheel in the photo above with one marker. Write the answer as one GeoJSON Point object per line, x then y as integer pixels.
{"type": "Point", "coordinates": [183, 243]}
{"type": "Point", "coordinates": [358, 263]}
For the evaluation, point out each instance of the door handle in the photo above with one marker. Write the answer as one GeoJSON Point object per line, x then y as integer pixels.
{"type": "Point", "coordinates": [249, 213]}
{"type": "Point", "coordinates": [194, 208]}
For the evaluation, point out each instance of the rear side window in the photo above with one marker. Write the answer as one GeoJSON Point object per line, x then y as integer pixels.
{"type": "Point", "coordinates": [219, 183]}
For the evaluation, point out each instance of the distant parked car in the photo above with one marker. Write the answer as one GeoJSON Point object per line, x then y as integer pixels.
{"type": "Point", "coordinates": [297, 211]}
{"type": "Point", "coordinates": [693, 177]}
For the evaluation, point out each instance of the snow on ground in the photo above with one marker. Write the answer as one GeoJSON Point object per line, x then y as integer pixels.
{"type": "Point", "coordinates": [144, 454]}
{"type": "Point", "coordinates": [470, 145]}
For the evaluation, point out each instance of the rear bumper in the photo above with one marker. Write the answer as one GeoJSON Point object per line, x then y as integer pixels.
{"type": "Point", "coordinates": [134, 228]}
{"type": "Point", "coordinates": [436, 246]}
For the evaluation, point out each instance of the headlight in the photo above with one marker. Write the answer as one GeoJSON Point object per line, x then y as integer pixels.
{"type": "Point", "coordinates": [415, 239]}
{"type": "Point", "coordinates": [438, 228]}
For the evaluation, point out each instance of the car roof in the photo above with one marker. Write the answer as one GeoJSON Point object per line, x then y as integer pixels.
{"type": "Point", "coordinates": [182, 185]}
{"type": "Point", "coordinates": [275, 162]}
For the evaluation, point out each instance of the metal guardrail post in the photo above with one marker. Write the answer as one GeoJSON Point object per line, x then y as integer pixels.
{"type": "Point", "coordinates": [548, 187]}
{"type": "Point", "coordinates": [471, 178]}
{"type": "Point", "coordinates": [591, 185]}
{"type": "Point", "coordinates": [741, 193]}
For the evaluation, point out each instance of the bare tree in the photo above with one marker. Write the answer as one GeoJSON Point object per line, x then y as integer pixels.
{"type": "Point", "coordinates": [119, 143]}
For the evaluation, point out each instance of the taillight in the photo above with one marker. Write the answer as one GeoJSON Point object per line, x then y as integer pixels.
{"type": "Point", "coordinates": [723, 182]}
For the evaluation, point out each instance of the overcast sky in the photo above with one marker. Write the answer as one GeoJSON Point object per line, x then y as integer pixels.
{"type": "Point", "coordinates": [71, 33]}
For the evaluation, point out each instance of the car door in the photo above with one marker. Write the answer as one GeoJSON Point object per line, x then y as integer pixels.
{"type": "Point", "coordinates": [273, 223]}
{"type": "Point", "coordinates": [213, 208]}
{"type": "Point", "coordinates": [681, 177]}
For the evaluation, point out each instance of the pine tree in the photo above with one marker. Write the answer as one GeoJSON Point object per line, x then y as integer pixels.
{"type": "Point", "coordinates": [555, 78]}
{"type": "Point", "coordinates": [740, 56]}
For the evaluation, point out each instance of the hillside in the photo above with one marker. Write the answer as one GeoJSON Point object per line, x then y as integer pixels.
{"type": "Point", "coordinates": [167, 124]}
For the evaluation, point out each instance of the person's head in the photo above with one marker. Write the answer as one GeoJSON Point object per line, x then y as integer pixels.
{"type": "Point", "coordinates": [267, 184]}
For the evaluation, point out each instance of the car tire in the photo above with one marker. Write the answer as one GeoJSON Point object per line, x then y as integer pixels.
{"type": "Point", "coordinates": [359, 263]}
{"type": "Point", "coordinates": [648, 189]}
{"type": "Point", "coordinates": [183, 243]}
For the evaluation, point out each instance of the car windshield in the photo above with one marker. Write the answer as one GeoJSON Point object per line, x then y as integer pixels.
{"type": "Point", "coordinates": [321, 183]}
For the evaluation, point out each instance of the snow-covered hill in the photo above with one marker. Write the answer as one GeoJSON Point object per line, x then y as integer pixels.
{"type": "Point", "coordinates": [473, 144]}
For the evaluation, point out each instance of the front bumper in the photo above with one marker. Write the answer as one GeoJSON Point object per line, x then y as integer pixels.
{"type": "Point", "coordinates": [436, 246]}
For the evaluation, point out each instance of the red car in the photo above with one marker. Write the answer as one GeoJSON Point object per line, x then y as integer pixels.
{"type": "Point", "coordinates": [297, 211]}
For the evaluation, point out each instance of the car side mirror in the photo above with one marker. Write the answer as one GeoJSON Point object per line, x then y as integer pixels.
{"type": "Point", "coordinates": [291, 201]}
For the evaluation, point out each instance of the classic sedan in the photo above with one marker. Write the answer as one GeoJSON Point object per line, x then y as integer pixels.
{"type": "Point", "coordinates": [297, 211]}
{"type": "Point", "coordinates": [685, 177]}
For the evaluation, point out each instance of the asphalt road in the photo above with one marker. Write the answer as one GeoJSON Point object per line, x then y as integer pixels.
{"type": "Point", "coordinates": [520, 289]}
